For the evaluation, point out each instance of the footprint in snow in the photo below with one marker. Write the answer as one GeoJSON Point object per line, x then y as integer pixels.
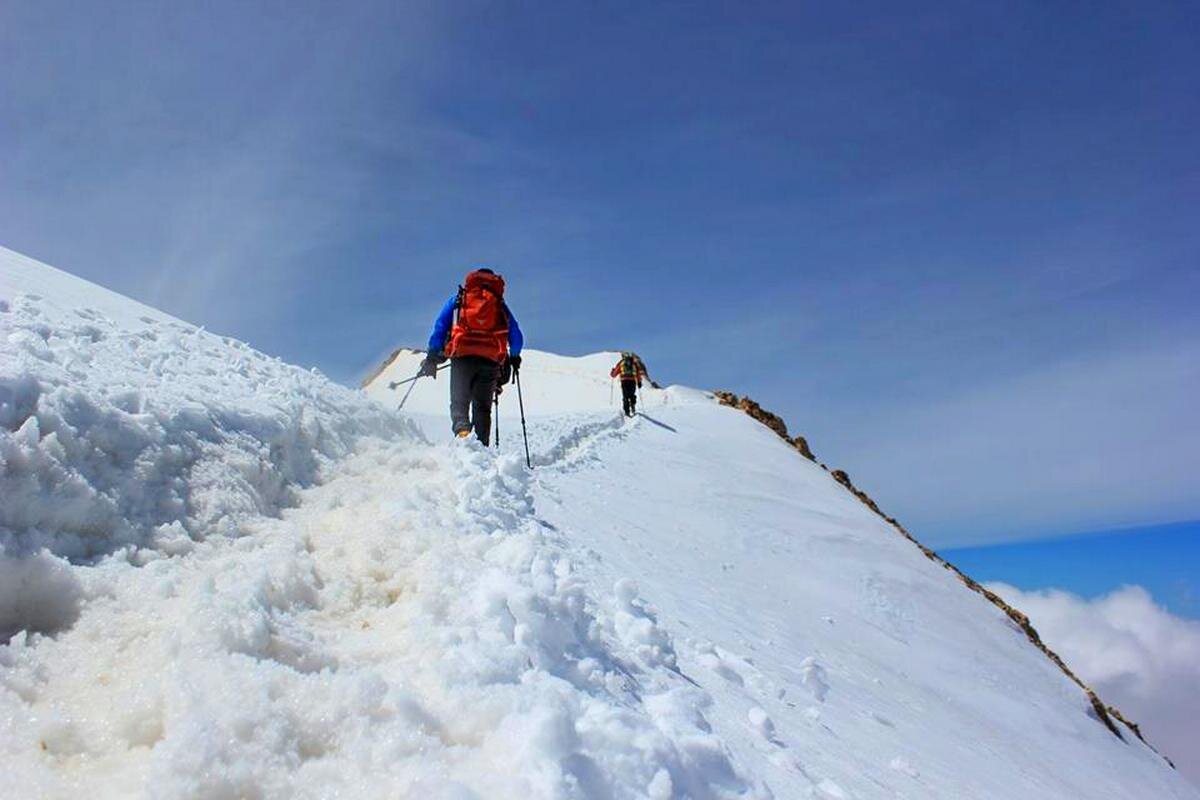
{"type": "Point", "coordinates": [787, 760]}
{"type": "Point", "coordinates": [733, 668]}
{"type": "Point", "coordinates": [812, 675]}
{"type": "Point", "coordinates": [715, 663]}
{"type": "Point", "coordinates": [828, 790]}
{"type": "Point", "coordinates": [763, 725]}
{"type": "Point", "coordinates": [901, 765]}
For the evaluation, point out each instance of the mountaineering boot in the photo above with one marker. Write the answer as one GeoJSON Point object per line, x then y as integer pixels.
{"type": "Point", "coordinates": [462, 434]}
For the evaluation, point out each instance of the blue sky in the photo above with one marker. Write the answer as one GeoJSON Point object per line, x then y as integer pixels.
{"type": "Point", "coordinates": [1164, 559]}
{"type": "Point", "coordinates": [954, 244]}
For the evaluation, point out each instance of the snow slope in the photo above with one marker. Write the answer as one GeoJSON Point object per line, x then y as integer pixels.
{"type": "Point", "coordinates": [837, 659]}
{"type": "Point", "coordinates": [224, 576]}
{"type": "Point", "coordinates": [64, 291]}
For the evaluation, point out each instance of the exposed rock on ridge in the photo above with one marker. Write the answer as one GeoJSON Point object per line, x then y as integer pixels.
{"type": "Point", "coordinates": [772, 421]}
{"type": "Point", "coordinates": [1106, 714]}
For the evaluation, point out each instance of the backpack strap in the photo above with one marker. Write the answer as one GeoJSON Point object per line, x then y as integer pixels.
{"type": "Point", "coordinates": [458, 303]}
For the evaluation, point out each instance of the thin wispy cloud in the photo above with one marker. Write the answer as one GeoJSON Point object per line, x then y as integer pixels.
{"type": "Point", "coordinates": [1101, 439]}
{"type": "Point", "coordinates": [197, 149]}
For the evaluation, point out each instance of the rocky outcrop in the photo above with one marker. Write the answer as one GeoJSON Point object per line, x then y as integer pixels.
{"type": "Point", "coordinates": [772, 421]}
{"type": "Point", "coordinates": [1106, 714]}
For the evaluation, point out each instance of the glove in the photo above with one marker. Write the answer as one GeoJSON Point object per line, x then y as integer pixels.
{"type": "Point", "coordinates": [506, 373]}
{"type": "Point", "coordinates": [515, 363]}
{"type": "Point", "coordinates": [436, 356]}
{"type": "Point", "coordinates": [428, 367]}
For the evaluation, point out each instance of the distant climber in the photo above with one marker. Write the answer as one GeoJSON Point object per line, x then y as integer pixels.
{"type": "Point", "coordinates": [631, 371]}
{"type": "Point", "coordinates": [479, 334]}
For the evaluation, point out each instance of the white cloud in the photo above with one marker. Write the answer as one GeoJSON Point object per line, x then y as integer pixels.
{"type": "Point", "coordinates": [1136, 655]}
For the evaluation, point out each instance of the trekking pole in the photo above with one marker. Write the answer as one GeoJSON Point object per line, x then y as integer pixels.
{"type": "Point", "coordinates": [521, 403]}
{"type": "Point", "coordinates": [412, 382]}
{"type": "Point", "coordinates": [497, 413]}
{"type": "Point", "coordinates": [394, 384]}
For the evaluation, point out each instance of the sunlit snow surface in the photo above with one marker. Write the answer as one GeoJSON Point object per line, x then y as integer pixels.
{"type": "Point", "coordinates": [232, 579]}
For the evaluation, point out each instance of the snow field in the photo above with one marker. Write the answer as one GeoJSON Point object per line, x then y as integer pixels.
{"type": "Point", "coordinates": [417, 636]}
{"type": "Point", "coordinates": [840, 662]}
{"type": "Point", "coordinates": [225, 577]}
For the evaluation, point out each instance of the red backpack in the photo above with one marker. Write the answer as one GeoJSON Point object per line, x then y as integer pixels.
{"type": "Point", "coordinates": [481, 321]}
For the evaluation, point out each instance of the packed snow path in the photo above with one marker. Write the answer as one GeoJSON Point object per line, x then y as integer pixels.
{"type": "Point", "coordinates": [225, 577]}
{"type": "Point", "coordinates": [416, 634]}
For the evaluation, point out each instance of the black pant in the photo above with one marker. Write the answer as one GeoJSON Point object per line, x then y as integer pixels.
{"type": "Point", "coordinates": [629, 397]}
{"type": "Point", "coordinates": [472, 387]}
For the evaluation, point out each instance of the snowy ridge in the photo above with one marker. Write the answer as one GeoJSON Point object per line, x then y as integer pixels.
{"type": "Point", "coordinates": [405, 626]}
{"type": "Point", "coordinates": [271, 586]}
{"type": "Point", "coordinates": [1109, 715]}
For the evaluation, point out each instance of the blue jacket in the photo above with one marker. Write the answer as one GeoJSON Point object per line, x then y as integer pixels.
{"type": "Point", "coordinates": [445, 319]}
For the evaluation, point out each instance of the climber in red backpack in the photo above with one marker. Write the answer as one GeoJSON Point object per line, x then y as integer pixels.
{"type": "Point", "coordinates": [631, 371]}
{"type": "Point", "coordinates": [479, 334]}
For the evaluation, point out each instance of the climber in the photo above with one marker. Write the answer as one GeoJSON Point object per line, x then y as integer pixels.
{"type": "Point", "coordinates": [479, 334]}
{"type": "Point", "coordinates": [631, 371]}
